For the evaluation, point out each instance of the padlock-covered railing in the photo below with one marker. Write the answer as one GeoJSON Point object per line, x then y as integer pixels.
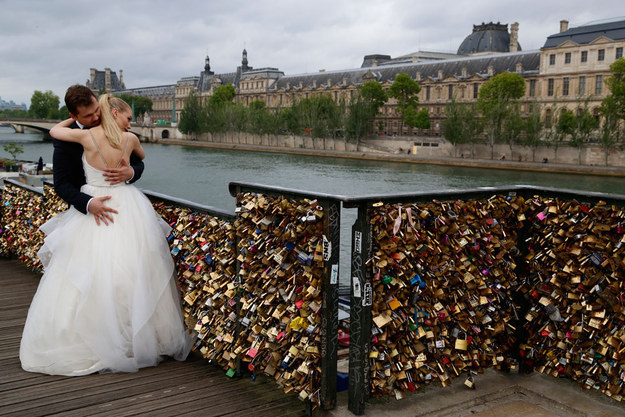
{"type": "Point", "coordinates": [446, 284]}
{"type": "Point", "coordinates": [288, 264]}
{"type": "Point", "coordinates": [260, 293]}
{"type": "Point", "coordinates": [23, 212]}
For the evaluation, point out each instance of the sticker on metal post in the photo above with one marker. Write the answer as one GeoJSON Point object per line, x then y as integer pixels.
{"type": "Point", "coordinates": [357, 242]}
{"type": "Point", "coordinates": [334, 275]}
{"type": "Point", "coordinates": [356, 287]}
{"type": "Point", "coordinates": [367, 300]}
{"type": "Point", "coordinates": [327, 249]}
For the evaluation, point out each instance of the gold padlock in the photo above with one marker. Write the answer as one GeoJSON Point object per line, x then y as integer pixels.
{"type": "Point", "coordinates": [461, 344]}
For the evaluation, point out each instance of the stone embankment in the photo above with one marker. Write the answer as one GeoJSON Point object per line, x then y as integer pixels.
{"type": "Point", "coordinates": [368, 151]}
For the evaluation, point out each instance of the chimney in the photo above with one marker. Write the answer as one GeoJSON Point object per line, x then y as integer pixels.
{"type": "Point", "coordinates": [121, 78]}
{"type": "Point", "coordinates": [514, 37]}
{"type": "Point", "coordinates": [93, 71]}
{"type": "Point", "coordinates": [107, 79]}
{"type": "Point", "coordinates": [564, 25]}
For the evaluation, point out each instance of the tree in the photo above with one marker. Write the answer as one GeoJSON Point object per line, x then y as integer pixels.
{"type": "Point", "coordinates": [462, 124]}
{"type": "Point", "coordinates": [616, 83]}
{"type": "Point", "coordinates": [512, 127]}
{"type": "Point", "coordinates": [404, 89]}
{"type": "Point", "coordinates": [533, 128]}
{"type": "Point", "coordinates": [584, 123]}
{"type": "Point", "coordinates": [374, 96]}
{"type": "Point", "coordinates": [363, 109]}
{"type": "Point", "coordinates": [495, 99]}
{"type": "Point", "coordinates": [224, 94]}
{"type": "Point", "coordinates": [44, 105]}
{"type": "Point", "coordinates": [191, 117]}
{"type": "Point", "coordinates": [140, 105]}
{"type": "Point", "coordinates": [260, 120]}
{"type": "Point", "coordinates": [13, 149]}
{"type": "Point", "coordinates": [610, 132]}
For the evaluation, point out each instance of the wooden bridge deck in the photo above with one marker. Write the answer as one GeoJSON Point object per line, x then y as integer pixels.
{"type": "Point", "coordinates": [189, 388]}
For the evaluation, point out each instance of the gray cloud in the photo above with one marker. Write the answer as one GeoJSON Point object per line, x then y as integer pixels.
{"type": "Point", "coordinates": [49, 45]}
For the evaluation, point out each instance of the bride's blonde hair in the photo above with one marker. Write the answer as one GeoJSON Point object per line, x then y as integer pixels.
{"type": "Point", "coordinates": [111, 130]}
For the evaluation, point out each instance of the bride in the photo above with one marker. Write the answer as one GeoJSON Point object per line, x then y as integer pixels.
{"type": "Point", "coordinates": [107, 301]}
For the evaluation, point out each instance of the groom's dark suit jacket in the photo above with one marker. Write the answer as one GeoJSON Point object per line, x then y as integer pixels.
{"type": "Point", "coordinates": [69, 174]}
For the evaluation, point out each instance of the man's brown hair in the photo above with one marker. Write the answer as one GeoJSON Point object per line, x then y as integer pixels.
{"type": "Point", "coordinates": [78, 95]}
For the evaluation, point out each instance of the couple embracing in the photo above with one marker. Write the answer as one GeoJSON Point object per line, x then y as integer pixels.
{"type": "Point", "coordinates": [107, 301]}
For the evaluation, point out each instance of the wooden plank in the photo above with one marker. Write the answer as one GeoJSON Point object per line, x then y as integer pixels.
{"type": "Point", "coordinates": [193, 387]}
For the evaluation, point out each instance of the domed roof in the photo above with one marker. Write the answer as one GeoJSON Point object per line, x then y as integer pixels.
{"type": "Point", "coordinates": [486, 38]}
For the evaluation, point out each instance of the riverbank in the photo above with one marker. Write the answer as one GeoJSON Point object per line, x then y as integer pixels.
{"type": "Point", "coordinates": [416, 159]}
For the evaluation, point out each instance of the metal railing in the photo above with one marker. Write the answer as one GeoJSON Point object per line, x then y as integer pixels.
{"type": "Point", "coordinates": [260, 283]}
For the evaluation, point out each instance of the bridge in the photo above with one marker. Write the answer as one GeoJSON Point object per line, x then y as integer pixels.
{"type": "Point", "coordinates": [145, 133]}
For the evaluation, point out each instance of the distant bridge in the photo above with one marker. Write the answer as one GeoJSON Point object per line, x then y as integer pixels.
{"type": "Point", "coordinates": [145, 133]}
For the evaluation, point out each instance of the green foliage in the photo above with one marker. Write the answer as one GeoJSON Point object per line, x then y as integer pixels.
{"type": "Point", "coordinates": [362, 110]}
{"type": "Point", "coordinates": [140, 105]}
{"type": "Point", "coordinates": [224, 94]}
{"type": "Point", "coordinates": [44, 105]}
{"type": "Point", "coordinates": [261, 120]}
{"type": "Point", "coordinates": [318, 116]}
{"type": "Point", "coordinates": [374, 96]}
{"type": "Point", "coordinates": [616, 83]}
{"type": "Point", "coordinates": [512, 127]}
{"type": "Point", "coordinates": [192, 116]}
{"type": "Point", "coordinates": [22, 114]}
{"type": "Point", "coordinates": [13, 148]}
{"type": "Point", "coordinates": [421, 119]}
{"type": "Point", "coordinates": [404, 89]}
{"type": "Point", "coordinates": [533, 128]}
{"type": "Point", "coordinates": [462, 124]}
{"type": "Point", "coordinates": [495, 99]}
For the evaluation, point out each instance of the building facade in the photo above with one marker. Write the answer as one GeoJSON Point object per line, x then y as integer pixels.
{"type": "Point", "coordinates": [569, 71]}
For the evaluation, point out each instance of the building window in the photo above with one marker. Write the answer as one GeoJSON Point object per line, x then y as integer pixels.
{"type": "Point", "coordinates": [584, 56]}
{"type": "Point", "coordinates": [619, 53]}
{"type": "Point", "coordinates": [599, 84]}
{"type": "Point", "coordinates": [567, 58]}
{"type": "Point", "coordinates": [552, 59]}
{"type": "Point", "coordinates": [532, 88]}
{"type": "Point", "coordinates": [600, 54]}
{"type": "Point", "coordinates": [450, 94]}
{"type": "Point", "coordinates": [582, 85]}
{"type": "Point", "coordinates": [427, 92]}
{"type": "Point", "coordinates": [476, 87]}
{"type": "Point", "coordinates": [550, 87]}
{"type": "Point", "coordinates": [565, 86]}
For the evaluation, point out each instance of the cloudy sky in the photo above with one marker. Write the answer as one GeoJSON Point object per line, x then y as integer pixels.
{"type": "Point", "coordinates": [51, 44]}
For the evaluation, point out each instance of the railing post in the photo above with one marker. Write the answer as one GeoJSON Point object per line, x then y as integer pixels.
{"type": "Point", "coordinates": [330, 311]}
{"type": "Point", "coordinates": [360, 313]}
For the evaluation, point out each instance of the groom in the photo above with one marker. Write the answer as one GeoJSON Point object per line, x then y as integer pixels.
{"type": "Point", "coordinates": [68, 172]}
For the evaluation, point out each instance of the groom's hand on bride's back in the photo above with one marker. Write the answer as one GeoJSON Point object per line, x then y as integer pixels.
{"type": "Point", "coordinates": [100, 211]}
{"type": "Point", "coordinates": [122, 174]}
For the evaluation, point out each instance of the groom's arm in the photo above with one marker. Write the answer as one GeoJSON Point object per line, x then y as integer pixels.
{"type": "Point", "coordinates": [65, 174]}
{"type": "Point", "coordinates": [137, 166]}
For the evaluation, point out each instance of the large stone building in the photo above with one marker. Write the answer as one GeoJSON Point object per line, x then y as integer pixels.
{"type": "Point", "coordinates": [568, 71]}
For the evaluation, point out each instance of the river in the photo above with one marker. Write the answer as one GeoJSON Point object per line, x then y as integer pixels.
{"type": "Point", "coordinates": [202, 175]}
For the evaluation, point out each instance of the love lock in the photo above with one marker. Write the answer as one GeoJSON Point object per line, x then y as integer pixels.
{"type": "Point", "coordinates": [461, 344]}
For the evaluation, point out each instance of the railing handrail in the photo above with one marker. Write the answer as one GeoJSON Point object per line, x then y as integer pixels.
{"type": "Point", "coordinates": [213, 211]}
{"type": "Point", "coordinates": [24, 186]}
{"type": "Point", "coordinates": [525, 190]}
{"type": "Point", "coordinates": [237, 187]}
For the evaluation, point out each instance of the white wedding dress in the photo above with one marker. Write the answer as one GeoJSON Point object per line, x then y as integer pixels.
{"type": "Point", "coordinates": [107, 301]}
